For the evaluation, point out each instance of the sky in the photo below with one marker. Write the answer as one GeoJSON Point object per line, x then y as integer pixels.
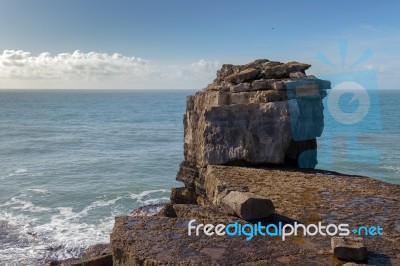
{"type": "Point", "coordinates": [177, 44]}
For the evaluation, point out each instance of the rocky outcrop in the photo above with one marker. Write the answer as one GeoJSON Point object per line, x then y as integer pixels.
{"type": "Point", "coordinates": [264, 112]}
{"type": "Point", "coordinates": [249, 153]}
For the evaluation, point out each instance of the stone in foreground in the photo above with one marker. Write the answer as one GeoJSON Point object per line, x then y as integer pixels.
{"type": "Point", "coordinates": [349, 248]}
{"type": "Point", "coordinates": [248, 206]}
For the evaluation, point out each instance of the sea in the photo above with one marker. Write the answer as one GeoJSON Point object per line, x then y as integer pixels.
{"type": "Point", "coordinates": [72, 160]}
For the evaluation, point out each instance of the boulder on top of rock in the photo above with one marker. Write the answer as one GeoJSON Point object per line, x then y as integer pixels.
{"type": "Point", "coordinates": [248, 206]}
{"type": "Point", "coordinates": [349, 248]}
{"type": "Point", "coordinates": [242, 76]}
{"type": "Point", "coordinates": [259, 69]}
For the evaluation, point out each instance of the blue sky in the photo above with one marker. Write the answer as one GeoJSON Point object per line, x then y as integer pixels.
{"type": "Point", "coordinates": [180, 44]}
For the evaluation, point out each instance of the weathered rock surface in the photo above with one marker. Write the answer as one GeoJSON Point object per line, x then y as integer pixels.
{"type": "Point", "coordinates": [307, 196]}
{"type": "Point", "coordinates": [165, 241]}
{"type": "Point", "coordinates": [349, 248]}
{"type": "Point", "coordinates": [102, 260]}
{"type": "Point", "coordinates": [353, 264]}
{"type": "Point", "coordinates": [96, 255]}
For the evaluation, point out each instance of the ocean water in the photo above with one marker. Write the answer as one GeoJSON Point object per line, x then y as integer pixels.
{"type": "Point", "coordinates": [370, 147]}
{"type": "Point", "coordinates": [72, 160]}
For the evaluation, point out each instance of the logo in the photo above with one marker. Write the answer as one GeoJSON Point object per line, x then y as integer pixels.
{"type": "Point", "coordinates": [249, 231]}
{"type": "Point", "coordinates": [358, 95]}
{"type": "Point", "coordinates": [351, 112]}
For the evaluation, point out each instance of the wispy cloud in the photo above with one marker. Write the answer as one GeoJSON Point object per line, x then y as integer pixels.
{"type": "Point", "coordinates": [202, 70]}
{"type": "Point", "coordinates": [98, 70]}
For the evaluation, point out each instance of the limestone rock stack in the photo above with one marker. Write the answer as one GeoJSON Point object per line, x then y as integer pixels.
{"type": "Point", "coordinates": [261, 113]}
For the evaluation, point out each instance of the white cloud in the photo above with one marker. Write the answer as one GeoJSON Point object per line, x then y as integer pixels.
{"type": "Point", "coordinates": [21, 69]}
{"type": "Point", "coordinates": [204, 67]}
{"type": "Point", "coordinates": [75, 66]}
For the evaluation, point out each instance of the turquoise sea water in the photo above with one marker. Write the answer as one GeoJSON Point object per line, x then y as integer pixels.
{"type": "Point", "coordinates": [72, 160]}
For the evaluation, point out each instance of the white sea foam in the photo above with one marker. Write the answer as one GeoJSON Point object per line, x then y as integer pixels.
{"type": "Point", "coordinates": [147, 197]}
{"type": "Point", "coordinates": [154, 201]}
{"type": "Point", "coordinates": [16, 203]}
{"type": "Point", "coordinates": [64, 236]}
{"type": "Point", "coordinates": [42, 191]}
{"type": "Point", "coordinates": [391, 168]}
{"type": "Point", "coordinates": [98, 203]}
{"type": "Point", "coordinates": [139, 197]}
{"type": "Point", "coordinates": [22, 252]}
{"type": "Point", "coordinates": [26, 205]}
{"type": "Point", "coordinates": [18, 171]}
{"type": "Point", "coordinates": [67, 232]}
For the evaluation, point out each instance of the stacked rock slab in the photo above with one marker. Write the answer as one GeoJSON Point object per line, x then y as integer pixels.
{"type": "Point", "coordinates": [261, 113]}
